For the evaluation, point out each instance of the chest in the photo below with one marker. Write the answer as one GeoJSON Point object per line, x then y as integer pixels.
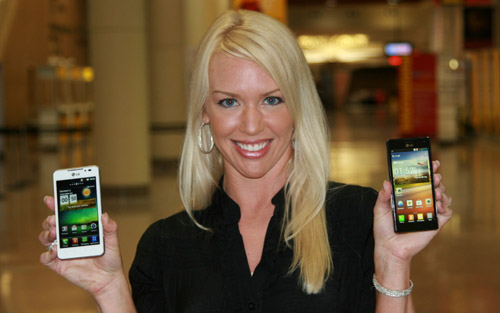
{"type": "Point", "coordinates": [253, 237]}
{"type": "Point", "coordinates": [222, 281]}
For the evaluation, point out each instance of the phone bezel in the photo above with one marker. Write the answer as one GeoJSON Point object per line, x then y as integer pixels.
{"type": "Point", "coordinates": [80, 251]}
{"type": "Point", "coordinates": [407, 143]}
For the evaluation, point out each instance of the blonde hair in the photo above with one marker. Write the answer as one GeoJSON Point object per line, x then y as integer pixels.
{"type": "Point", "coordinates": [264, 40]}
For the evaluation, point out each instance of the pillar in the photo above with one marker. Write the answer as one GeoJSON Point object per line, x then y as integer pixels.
{"type": "Point", "coordinates": [167, 78]}
{"type": "Point", "coordinates": [175, 31]}
{"type": "Point", "coordinates": [118, 53]}
{"type": "Point", "coordinates": [448, 46]}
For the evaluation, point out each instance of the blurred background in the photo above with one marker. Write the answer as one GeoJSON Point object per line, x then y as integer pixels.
{"type": "Point", "coordinates": [105, 82]}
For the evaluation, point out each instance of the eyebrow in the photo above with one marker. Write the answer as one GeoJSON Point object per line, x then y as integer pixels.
{"type": "Point", "coordinates": [235, 95]}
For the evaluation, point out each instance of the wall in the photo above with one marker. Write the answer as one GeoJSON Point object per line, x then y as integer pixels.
{"type": "Point", "coordinates": [39, 29]}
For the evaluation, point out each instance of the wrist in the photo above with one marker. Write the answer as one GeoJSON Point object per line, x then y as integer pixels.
{"type": "Point", "coordinates": [392, 292]}
{"type": "Point", "coordinates": [392, 272]}
{"type": "Point", "coordinates": [115, 297]}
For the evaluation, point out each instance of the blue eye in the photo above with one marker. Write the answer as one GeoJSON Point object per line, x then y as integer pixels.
{"type": "Point", "coordinates": [273, 100]}
{"type": "Point", "coordinates": [228, 103]}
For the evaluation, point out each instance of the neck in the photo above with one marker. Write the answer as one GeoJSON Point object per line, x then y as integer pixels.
{"type": "Point", "coordinates": [253, 195]}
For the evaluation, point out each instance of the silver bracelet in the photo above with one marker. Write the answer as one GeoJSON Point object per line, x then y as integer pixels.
{"type": "Point", "coordinates": [390, 292]}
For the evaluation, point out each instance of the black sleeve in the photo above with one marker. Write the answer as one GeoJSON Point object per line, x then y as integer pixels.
{"type": "Point", "coordinates": [368, 296]}
{"type": "Point", "coordinates": [146, 273]}
{"type": "Point", "coordinates": [352, 217]}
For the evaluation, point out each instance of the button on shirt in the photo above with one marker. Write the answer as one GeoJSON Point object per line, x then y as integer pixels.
{"type": "Point", "coordinates": [181, 268]}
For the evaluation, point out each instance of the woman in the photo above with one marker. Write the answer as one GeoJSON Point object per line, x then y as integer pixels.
{"type": "Point", "coordinates": [263, 229]}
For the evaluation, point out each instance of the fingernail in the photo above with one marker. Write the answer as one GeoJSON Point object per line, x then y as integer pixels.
{"type": "Point", "coordinates": [439, 163]}
{"type": "Point", "coordinates": [45, 198]}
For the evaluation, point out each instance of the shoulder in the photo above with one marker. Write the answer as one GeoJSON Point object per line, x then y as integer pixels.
{"type": "Point", "coordinates": [177, 226]}
{"type": "Point", "coordinates": [349, 211]}
{"type": "Point", "coordinates": [350, 197]}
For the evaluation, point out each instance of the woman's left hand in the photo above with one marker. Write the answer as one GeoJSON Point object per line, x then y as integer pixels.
{"type": "Point", "coordinates": [403, 246]}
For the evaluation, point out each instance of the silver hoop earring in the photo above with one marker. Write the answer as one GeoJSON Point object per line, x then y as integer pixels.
{"type": "Point", "coordinates": [203, 136]}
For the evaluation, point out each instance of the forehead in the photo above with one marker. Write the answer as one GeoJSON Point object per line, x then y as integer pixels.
{"type": "Point", "coordinates": [226, 70]}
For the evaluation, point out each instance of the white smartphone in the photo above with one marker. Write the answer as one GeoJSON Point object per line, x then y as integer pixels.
{"type": "Point", "coordinates": [78, 210]}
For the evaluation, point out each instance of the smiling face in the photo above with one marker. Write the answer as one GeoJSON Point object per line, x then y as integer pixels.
{"type": "Point", "coordinates": [248, 116]}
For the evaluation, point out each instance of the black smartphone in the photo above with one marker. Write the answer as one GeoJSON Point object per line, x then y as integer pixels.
{"type": "Point", "coordinates": [411, 175]}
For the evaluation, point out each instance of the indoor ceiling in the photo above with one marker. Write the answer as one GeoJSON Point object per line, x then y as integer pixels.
{"type": "Point", "coordinates": [346, 2]}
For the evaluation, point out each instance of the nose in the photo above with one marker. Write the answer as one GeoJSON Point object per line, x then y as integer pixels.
{"type": "Point", "coordinates": [252, 120]}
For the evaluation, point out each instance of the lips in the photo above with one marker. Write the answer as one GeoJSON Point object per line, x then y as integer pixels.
{"type": "Point", "coordinates": [252, 149]}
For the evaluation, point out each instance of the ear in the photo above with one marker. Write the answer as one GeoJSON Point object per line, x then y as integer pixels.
{"type": "Point", "coordinates": [204, 116]}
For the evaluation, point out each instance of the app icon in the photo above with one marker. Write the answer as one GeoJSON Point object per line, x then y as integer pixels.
{"type": "Point", "coordinates": [399, 190]}
{"type": "Point", "coordinates": [400, 203]}
{"type": "Point", "coordinates": [93, 225]}
{"type": "Point", "coordinates": [409, 202]}
{"type": "Point", "coordinates": [401, 218]}
{"type": "Point", "coordinates": [411, 217]}
{"type": "Point", "coordinates": [429, 216]}
{"type": "Point", "coordinates": [83, 227]}
{"type": "Point", "coordinates": [64, 228]}
{"type": "Point", "coordinates": [418, 202]}
{"type": "Point", "coordinates": [85, 239]}
{"type": "Point", "coordinates": [74, 228]}
{"type": "Point", "coordinates": [74, 241]}
{"type": "Point", "coordinates": [428, 202]}
{"type": "Point", "coordinates": [65, 241]}
{"type": "Point", "coordinates": [420, 216]}
{"type": "Point", "coordinates": [94, 239]}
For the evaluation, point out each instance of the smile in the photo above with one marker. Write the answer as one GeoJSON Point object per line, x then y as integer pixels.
{"type": "Point", "coordinates": [253, 147]}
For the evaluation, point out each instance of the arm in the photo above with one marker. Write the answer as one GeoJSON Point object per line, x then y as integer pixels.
{"type": "Point", "coordinates": [394, 252]}
{"type": "Point", "coordinates": [102, 277]}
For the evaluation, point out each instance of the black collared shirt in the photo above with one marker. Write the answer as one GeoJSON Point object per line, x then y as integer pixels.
{"type": "Point", "coordinates": [181, 268]}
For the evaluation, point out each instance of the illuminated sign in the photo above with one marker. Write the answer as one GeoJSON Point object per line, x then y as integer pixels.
{"type": "Point", "coordinates": [398, 48]}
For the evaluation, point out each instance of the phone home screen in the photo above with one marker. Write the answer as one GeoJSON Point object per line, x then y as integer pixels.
{"type": "Point", "coordinates": [413, 194]}
{"type": "Point", "coordinates": [78, 213]}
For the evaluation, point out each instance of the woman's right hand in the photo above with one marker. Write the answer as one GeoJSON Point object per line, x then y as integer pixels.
{"type": "Point", "coordinates": [97, 274]}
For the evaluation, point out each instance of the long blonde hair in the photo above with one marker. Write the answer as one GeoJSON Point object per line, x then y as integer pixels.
{"type": "Point", "coordinates": [264, 40]}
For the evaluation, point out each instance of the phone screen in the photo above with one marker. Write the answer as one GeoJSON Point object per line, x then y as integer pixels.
{"type": "Point", "coordinates": [78, 213]}
{"type": "Point", "coordinates": [413, 191]}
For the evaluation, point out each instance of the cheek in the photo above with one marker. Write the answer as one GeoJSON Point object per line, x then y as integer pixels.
{"type": "Point", "coordinates": [282, 125]}
{"type": "Point", "coordinates": [223, 126]}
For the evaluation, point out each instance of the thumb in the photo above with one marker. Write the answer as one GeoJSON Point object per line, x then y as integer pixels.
{"type": "Point", "coordinates": [110, 228]}
{"type": "Point", "coordinates": [383, 204]}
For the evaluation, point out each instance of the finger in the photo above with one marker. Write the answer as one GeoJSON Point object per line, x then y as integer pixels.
{"type": "Point", "coordinates": [49, 202]}
{"type": "Point", "coordinates": [443, 204]}
{"type": "Point", "coordinates": [437, 179]}
{"type": "Point", "coordinates": [49, 222]}
{"type": "Point", "coordinates": [48, 258]}
{"type": "Point", "coordinates": [439, 191]}
{"type": "Point", "coordinates": [46, 237]}
{"type": "Point", "coordinates": [444, 211]}
{"type": "Point", "coordinates": [435, 165]}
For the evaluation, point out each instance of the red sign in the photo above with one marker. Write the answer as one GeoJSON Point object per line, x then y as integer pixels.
{"type": "Point", "coordinates": [418, 96]}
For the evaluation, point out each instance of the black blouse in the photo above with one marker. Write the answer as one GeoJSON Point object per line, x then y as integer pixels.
{"type": "Point", "coordinates": [181, 268]}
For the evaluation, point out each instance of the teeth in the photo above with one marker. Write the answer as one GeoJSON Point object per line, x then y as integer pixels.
{"type": "Point", "coordinates": [254, 147]}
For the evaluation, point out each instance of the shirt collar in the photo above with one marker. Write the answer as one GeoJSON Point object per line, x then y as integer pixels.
{"type": "Point", "coordinates": [228, 211]}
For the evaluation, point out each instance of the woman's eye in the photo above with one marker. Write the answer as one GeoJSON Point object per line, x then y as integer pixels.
{"type": "Point", "coordinates": [227, 102]}
{"type": "Point", "coordinates": [273, 100]}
